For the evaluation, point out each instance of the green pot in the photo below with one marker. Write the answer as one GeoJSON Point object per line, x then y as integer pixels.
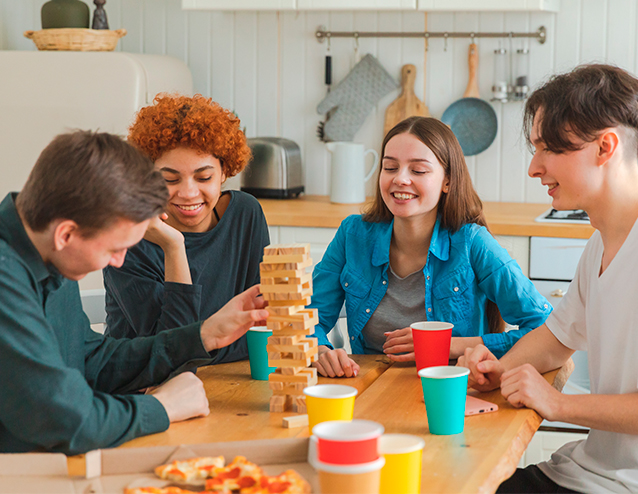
{"type": "Point", "coordinates": [65, 13]}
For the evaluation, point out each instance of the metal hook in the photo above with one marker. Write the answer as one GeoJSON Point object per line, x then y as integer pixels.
{"type": "Point", "coordinates": [427, 41]}
{"type": "Point", "coordinates": [445, 35]}
{"type": "Point", "coordinates": [472, 37]}
{"type": "Point", "coordinates": [356, 47]}
{"type": "Point", "coordinates": [328, 38]}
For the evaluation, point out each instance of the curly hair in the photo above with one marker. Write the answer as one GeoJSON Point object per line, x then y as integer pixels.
{"type": "Point", "coordinates": [198, 123]}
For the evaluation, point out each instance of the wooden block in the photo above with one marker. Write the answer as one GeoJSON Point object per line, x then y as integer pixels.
{"type": "Point", "coordinates": [280, 403]}
{"type": "Point", "coordinates": [285, 259]}
{"type": "Point", "coordinates": [270, 279]}
{"type": "Point", "coordinates": [296, 248]}
{"type": "Point", "coordinates": [284, 362]}
{"type": "Point", "coordinates": [286, 310]}
{"type": "Point", "coordinates": [280, 331]}
{"type": "Point", "coordinates": [299, 404]}
{"type": "Point", "coordinates": [291, 371]}
{"type": "Point", "coordinates": [292, 389]}
{"type": "Point", "coordinates": [287, 303]}
{"type": "Point", "coordinates": [286, 340]}
{"type": "Point", "coordinates": [282, 273]}
{"type": "Point", "coordinates": [285, 266]}
{"type": "Point", "coordinates": [284, 296]}
{"type": "Point", "coordinates": [306, 375]}
{"type": "Point", "coordinates": [301, 347]}
{"type": "Point", "coordinates": [284, 288]}
{"type": "Point", "coordinates": [295, 421]}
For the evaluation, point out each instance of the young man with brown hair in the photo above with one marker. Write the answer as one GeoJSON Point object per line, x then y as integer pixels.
{"type": "Point", "coordinates": [66, 388]}
{"type": "Point", "coordinates": [584, 128]}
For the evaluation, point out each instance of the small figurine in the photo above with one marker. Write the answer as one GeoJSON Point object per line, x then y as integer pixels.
{"type": "Point", "coordinates": [99, 16]}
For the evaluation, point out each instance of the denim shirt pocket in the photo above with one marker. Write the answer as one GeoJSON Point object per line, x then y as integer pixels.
{"type": "Point", "coordinates": [356, 288]}
{"type": "Point", "coordinates": [454, 297]}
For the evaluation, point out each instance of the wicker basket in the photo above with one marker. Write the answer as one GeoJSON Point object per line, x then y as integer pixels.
{"type": "Point", "coordinates": [76, 39]}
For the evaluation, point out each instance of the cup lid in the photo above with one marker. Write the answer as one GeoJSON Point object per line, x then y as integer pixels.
{"type": "Point", "coordinates": [348, 430]}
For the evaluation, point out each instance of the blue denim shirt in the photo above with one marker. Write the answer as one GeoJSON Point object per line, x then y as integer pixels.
{"type": "Point", "coordinates": [463, 270]}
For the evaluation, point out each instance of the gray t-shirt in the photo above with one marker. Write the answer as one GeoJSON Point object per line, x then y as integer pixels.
{"type": "Point", "coordinates": [402, 305]}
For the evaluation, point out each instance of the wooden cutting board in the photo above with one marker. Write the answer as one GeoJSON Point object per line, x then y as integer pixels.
{"type": "Point", "coordinates": [407, 104]}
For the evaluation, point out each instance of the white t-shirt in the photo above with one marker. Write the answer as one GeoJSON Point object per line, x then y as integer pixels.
{"type": "Point", "coordinates": [600, 314]}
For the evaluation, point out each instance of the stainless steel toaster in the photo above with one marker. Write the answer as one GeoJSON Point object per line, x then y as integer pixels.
{"type": "Point", "coordinates": [275, 169]}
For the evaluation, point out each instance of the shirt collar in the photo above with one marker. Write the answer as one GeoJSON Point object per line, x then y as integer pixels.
{"type": "Point", "coordinates": [12, 231]}
{"type": "Point", "coordinates": [439, 245]}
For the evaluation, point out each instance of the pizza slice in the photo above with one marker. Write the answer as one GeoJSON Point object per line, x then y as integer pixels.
{"type": "Point", "coordinates": [289, 482]}
{"type": "Point", "coordinates": [157, 490]}
{"type": "Point", "coordinates": [238, 475]}
{"type": "Point", "coordinates": [189, 471]}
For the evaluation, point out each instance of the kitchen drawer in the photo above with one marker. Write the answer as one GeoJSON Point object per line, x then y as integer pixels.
{"type": "Point", "coordinates": [555, 258]}
{"type": "Point", "coordinates": [517, 248]}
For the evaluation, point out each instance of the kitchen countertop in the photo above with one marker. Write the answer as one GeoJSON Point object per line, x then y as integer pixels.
{"type": "Point", "coordinates": [503, 218]}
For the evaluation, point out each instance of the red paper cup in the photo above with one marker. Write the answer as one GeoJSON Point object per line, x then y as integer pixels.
{"type": "Point", "coordinates": [431, 343]}
{"type": "Point", "coordinates": [341, 442]}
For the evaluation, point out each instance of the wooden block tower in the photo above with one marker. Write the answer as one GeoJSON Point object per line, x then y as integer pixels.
{"type": "Point", "coordinates": [287, 288]}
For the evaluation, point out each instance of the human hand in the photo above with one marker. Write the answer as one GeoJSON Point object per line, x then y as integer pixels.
{"type": "Point", "coordinates": [161, 233]}
{"type": "Point", "coordinates": [399, 341]}
{"type": "Point", "coordinates": [524, 387]}
{"type": "Point", "coordinates": [485, 368]}
{"type": "Point", "coordinates": [233, 320]}
{"type": "Point", "coordinates": [335, 363]}
{"type": "Point", "coordinates": [183, 397]}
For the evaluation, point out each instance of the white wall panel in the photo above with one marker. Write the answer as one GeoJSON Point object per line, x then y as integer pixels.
{"type": "Point", "coordinates": [593, 35]}
{"type": "Point", "coordinates": [315, 156]}
{"type": "Point", "coordinates": [268, 67]}
{"type": "Point", "coordinates": [621, 33]}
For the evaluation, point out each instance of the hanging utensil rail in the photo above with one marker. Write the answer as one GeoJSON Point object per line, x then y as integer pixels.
{"type": "Point", "coordinates": [321, 34]}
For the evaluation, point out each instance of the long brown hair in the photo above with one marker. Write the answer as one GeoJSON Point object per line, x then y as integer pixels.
{"type": "Point", "coordinates": [460, 205]}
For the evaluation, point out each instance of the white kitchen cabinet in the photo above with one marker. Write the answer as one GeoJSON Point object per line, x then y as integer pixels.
{"type": "Point", "coordinates": [318, 238]}
{"type": "Point", "coordinates": [489, 5]}
{"type": "Point", "coordinates": [544, 443]}
{"type": "Point", "coordinates": [517, 248]}
{"type": "Point", "coordinates": [239, 4]}
{"type": "Point", "coordinates": [356, 4]}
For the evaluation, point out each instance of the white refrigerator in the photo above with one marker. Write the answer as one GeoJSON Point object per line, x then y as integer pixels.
{"type": "Point", "coordinates": [43, 94]}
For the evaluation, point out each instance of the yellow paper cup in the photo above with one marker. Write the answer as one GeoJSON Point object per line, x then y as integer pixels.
{"type": "Point", "coordinates": [329, 402]}
{"type": "Point", "coordinates": [402, 471]}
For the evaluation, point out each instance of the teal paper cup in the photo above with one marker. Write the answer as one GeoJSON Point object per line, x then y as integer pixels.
{"type": "Point", "coordinates": [257, 353]}
{"type": "Point", "coordinates": [444, 392]}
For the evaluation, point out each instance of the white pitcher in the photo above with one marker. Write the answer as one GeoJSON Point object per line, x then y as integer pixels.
{"type": "Point", "coordinates": [348, 176]}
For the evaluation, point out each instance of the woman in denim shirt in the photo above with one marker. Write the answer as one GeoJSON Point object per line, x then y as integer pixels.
{"type": "Point", "coordinates": [421, 252]}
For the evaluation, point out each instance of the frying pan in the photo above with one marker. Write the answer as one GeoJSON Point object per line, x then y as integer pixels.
{"type": "Point", "coordinates": [472, 120]}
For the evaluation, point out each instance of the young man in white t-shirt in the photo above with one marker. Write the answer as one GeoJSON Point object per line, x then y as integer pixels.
{"type": "Point", "coordinates": [583, 126]}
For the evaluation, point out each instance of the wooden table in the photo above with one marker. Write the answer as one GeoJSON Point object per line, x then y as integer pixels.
{"type": "Point", "coordinates": [239, 408]}
{"type": "Point", "coordinates": [477, 460]}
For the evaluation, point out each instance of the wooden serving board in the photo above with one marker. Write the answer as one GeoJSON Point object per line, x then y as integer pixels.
{"type": "Point", "coordinates": [407, 104]}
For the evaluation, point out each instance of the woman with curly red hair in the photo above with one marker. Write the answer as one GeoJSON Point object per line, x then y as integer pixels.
{"type": "Point", "coordinates": [207, 246]}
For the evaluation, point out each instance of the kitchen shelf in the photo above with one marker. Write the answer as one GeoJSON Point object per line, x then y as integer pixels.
{"type": "Point", "coordinates": [378, 5]}
{"type": "Point", "coordinates": [489, 5]}
{"type": "Point", "coordinates": [239, 4]}
{"type": "Point", "coordinates": [356, 4]}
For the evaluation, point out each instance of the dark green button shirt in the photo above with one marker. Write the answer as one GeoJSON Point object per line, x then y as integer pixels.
{"type": "Point", "coordinates": [63, 386]}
